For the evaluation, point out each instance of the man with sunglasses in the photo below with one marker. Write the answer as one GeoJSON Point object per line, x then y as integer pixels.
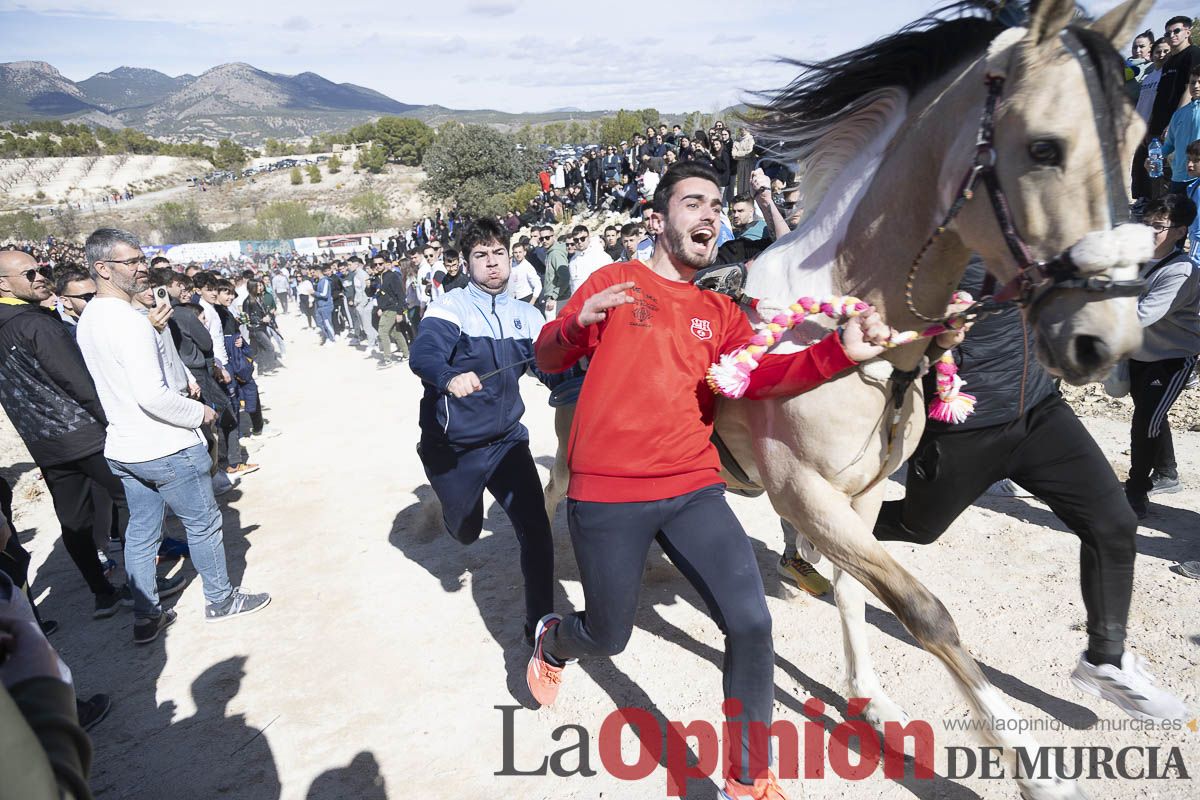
{"type": "Point", "coordinates": [586, 257]}
{"type": "Point", "coordinates": [1172, 94]}
{"type": "Point", "coordinates": [49, 396]}
{"type": "Point", "coordinates": [556, 282]}
{"type": "Point", "coordinates": [74, 288]}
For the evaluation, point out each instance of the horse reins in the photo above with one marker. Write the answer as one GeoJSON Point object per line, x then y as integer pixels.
{"type": "Point", "coordinates": [1034, 280]}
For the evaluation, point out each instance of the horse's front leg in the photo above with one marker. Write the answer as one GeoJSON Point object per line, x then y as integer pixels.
{"type": "Point", "coordinates": [560, 476]}
{"type": "Point", "coordinates": [851, 598]}
{"type": "Point", "coordinates": [839, 530]}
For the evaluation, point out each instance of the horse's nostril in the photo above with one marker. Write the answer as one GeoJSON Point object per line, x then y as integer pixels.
{"type": "Point", "coordinates": [1091, 352]}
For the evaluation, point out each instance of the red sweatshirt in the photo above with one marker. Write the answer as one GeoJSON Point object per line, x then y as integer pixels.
{"type": "Point", "coordinates": [644, 419]}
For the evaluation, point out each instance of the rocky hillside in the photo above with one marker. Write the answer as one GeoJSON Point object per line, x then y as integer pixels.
{"type": "Point", "coordinates": [235, 100]}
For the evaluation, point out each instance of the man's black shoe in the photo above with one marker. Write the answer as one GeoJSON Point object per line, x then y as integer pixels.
{"type": "Point", "coordinates": [147, 630]}
{"type": "Point", "coordinates": [170, 586]}
{"type": "Point", "coordinates": [92, 710]}
{"type": "Point", "coordinates": [49, 626]}
{"type": "Point", "coordinates": [1161, 484]}
{"type": "Point", "coordinates": [110, 603]}
{"type": "Point", "coordinates": [1139, 504]}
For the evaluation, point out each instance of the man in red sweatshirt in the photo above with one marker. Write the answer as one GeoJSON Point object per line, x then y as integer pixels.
{"type": "Point", "coordinates": [650, 336]}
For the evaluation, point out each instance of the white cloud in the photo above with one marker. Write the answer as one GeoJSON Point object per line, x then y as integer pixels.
{"type": "Point", "coordinates": [531, 55]}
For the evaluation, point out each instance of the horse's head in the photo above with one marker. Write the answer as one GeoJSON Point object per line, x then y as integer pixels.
{"type": "Point", "coordinates": [1065, 135]}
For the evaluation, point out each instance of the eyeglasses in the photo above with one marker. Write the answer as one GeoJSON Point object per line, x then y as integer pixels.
{"type": "Point", "coordinates": [1175, 31]}
{"type": "Point", "coordinates": [30, 274]}
{"type": "Point", "coordinates": [1161, 228]}
{"type": "Point", "coordinates": [85, 297]}
{"type": "Point", "coordinates": [136, 261]}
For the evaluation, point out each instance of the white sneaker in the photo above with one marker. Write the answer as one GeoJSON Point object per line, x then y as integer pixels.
{"type": "Point", "coordinates": [1008, 488]}
{"type": "Point", "coordinates": [1131, 688]}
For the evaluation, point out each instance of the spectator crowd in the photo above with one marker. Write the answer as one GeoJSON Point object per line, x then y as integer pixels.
{"type": "Point", "coordinates": [137, 384]}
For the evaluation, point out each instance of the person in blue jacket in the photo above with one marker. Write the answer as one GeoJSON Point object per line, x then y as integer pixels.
{"type": "Point", "coordinates": [323, 305]}
{"type": "Point", "coordinates": [472, 347]}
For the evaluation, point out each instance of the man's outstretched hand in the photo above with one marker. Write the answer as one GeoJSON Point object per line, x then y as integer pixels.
{"type": "Point", "coordinates": [595, 308]}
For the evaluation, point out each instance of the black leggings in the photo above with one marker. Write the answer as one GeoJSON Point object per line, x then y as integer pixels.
{"type": "Point", "coordinates": [705, 541]}
{"type": "Point", "coordinates": [1154, 387]}
{"type": "Point", "coordinates": [1050, 453]}
{"type": "Point", "coordinates": [70, 486]}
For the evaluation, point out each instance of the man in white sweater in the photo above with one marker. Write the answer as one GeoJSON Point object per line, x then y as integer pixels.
{"type": "Point", "coordinates": [153, 440]}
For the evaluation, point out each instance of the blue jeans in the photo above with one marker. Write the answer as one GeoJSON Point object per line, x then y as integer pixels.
{"type": "Point", "coordinates": [181, 481]}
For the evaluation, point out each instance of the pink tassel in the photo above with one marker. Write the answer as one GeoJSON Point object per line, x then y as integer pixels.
{"type": "Point", "coordinates": [954, 411]}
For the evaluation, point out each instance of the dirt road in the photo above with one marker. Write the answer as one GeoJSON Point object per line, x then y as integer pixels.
{"type": "Point", "coordinates": [379, 668]}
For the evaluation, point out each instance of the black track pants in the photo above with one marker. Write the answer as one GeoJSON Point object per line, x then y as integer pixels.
{"type": "Point", "coordinates": [1050, 453]}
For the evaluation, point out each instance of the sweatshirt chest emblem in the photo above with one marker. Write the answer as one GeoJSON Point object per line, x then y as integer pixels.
{"type": "Point", "coordinates": [701, 329]}
{"type": "Point", "coordinates": [517, 323]}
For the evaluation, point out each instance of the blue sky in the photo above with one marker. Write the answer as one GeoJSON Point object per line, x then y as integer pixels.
{"type": "Point", "coordinates": [513, 55]}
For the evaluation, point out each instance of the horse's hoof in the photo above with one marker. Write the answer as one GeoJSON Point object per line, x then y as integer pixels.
{"type": "Point", "coordinates": [881, 711]}
{"type": "Point", "coordinates": [1055, 789]}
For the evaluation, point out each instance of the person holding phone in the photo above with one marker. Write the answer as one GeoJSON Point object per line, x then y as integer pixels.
{"type": "Point", "coordinates": [153, 442]}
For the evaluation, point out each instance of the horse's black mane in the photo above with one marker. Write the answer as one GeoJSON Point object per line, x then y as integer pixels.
{"type": "Point", "coordinates": [910, 59]}
{"type": "Point", "coordinates": [788, 121]}
{"type": "Point", "coordinates": [1110, 72]}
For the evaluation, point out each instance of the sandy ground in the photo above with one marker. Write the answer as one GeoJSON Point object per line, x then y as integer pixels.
{"type": "Point", "coordinates": [378, 669]}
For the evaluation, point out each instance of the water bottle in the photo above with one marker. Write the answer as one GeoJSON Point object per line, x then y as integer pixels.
{"type": "Point", "coordinates": [1156, 159]}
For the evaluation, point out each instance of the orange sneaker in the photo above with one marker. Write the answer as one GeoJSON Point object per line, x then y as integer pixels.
{"type": "Point", "coordinates": [763, 789]}
{"type": "Point", "coordinates": [542, 677]}
{"type": "Point", "coordinates": [241, 469]}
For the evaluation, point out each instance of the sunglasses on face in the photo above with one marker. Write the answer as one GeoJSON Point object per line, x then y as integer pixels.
{"type": "Point", "coordinates": [85, 297]}
{"type": "Point", "coordinates": [579, 240]}
{"type": "Point", "coordinates": [30, 274]}
{"type": "Point", "coordinates": [1175, 31]}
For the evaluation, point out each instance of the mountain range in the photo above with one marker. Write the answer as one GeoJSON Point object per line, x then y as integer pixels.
{"type": "Point", "coordinates": [235, 100]}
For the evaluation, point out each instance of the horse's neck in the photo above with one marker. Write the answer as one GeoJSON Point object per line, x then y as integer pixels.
{"type": "Point", "coordinates": [909, 195]}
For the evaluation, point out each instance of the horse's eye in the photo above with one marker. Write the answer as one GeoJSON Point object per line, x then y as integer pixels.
{"type": "Point", "coordinates": [1046, 152]}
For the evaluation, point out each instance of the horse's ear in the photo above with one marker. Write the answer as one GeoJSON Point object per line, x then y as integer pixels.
{"type": "Point", "coordinates": [1120, 24]}
{"type": "Point", "coordinates": [1049, 18]}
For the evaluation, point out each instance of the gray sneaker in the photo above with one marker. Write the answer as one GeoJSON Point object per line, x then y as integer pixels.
{"type": "Point", "coordinates": [239, 603]}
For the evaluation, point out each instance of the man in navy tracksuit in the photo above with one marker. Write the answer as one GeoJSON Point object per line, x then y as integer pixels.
{"type": "Point", "coordinates": [323, 307]}
{"type": "Point", "coordinates": [471, 432]}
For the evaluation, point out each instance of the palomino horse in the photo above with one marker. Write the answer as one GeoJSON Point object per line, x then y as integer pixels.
{"type": "Point", "coordinates": [886, 134]}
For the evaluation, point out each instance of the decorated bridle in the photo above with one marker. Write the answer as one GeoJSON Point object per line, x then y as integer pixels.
{"type": "Point", "coordinates": [1035, 280]}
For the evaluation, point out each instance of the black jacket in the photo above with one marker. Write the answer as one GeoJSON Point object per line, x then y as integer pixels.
{"type": "Point", "coordinates": [45, 387]}
{"type": "Point", "coordinates": [191, 338]}
{"type": "Point", "coordinates": [998, 364]}
{"type": "Point", "coordinates": [392, 291]}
